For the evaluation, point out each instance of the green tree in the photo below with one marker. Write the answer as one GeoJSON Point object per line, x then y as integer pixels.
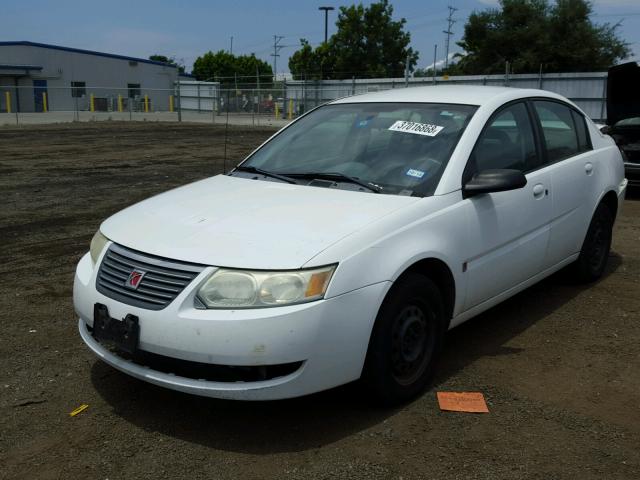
{"type": "Point", "coordinates": [169, 60]}
{"type": "Point", "coordinates": [368, 43]}
{"type": "Point", "coordinates": [531, 33]}
{"type": "Point", "coordinates": [231, 69]}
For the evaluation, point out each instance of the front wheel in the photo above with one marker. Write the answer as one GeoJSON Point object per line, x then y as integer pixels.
{"type": "Point", "coordinates": [595, 250]}
{"type": "Point", "coordinates": [406, 340]}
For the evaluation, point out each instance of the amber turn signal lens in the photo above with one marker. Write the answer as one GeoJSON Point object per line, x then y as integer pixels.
{"type": "Point", "coordinates": [317, 284]}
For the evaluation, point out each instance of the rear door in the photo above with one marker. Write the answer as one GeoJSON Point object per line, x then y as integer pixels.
{"type": "Point", "coordinates": [509, 231]}
{"type": "Point", "coordinates": [573, 168]}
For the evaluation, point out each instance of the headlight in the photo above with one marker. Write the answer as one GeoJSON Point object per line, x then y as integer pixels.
{"type": "Point", "coordinates": [252, 289]}
{"type": "Point", "coordinates": [97, 245]}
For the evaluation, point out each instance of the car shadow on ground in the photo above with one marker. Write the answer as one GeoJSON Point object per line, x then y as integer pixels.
{"type": "Point", "coordinates": [489, 333]}
{"type": "Point", "coordinates": [316, 420]}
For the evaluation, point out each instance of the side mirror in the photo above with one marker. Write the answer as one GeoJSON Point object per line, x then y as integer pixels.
{"type": "Point", "coordinates": [605, 129]}
{"type": "Point", "coordinates": [489, 181]}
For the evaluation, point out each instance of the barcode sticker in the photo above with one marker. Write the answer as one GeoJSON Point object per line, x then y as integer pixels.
{"type": "Point", "coordinates": [417, 128]}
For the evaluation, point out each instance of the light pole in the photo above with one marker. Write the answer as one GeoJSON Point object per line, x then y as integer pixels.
{"type": "Point", "coordinates": [326, 19]}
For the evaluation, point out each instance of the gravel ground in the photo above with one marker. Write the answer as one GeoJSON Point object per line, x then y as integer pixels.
{"type": "Point", "coordinates": [559, 364]}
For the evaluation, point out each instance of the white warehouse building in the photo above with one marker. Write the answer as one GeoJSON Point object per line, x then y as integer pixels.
{"type": "Point", "coordinates": [36, 77]}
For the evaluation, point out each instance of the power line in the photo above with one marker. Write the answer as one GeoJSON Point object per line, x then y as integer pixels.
{"type": "Point", "coordinates": [448, 32]}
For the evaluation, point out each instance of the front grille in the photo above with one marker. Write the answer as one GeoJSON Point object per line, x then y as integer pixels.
{"type": "Point", "coordinates": [162, 282]}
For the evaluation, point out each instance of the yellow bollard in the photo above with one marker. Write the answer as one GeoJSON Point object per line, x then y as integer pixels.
{"type": "Point", "coordinates": [45, 108]}
{"type": "Point", "coordinates": [277, 112]}
{"type": "Point", "coordinates": [146, 104]}
{"type": "Point", "coordinates": [290, 116]}
{"type": "Point", "coordinates": [7, 96]}
{"type": "Point", "coordinates": [171, 103]}
{"type": "Point", "coordinates": [120, 103]}
{"type": "Point", "coordinates": [92, 105]}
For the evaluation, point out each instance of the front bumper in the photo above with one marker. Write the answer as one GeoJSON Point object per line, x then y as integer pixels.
{"type": "Point", "coordinates": [330, 337]}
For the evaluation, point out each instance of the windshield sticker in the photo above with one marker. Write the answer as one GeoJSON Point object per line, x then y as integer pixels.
{"type": "Point", "coordinates": [415, 127]}
{"type": "Point", "coordinates": [415, 173]}
{"type": "Point", "coordinates": [365, 122]}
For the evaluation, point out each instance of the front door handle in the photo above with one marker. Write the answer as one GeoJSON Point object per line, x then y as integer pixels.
{"type": "Point", "coordinates": [538, 190]}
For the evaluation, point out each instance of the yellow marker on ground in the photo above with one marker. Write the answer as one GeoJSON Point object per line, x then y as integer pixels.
{"type": "Point", "coordinates": [277, 110]}
{"type": "Point", "coordinates": [92, 105]}
{"type": "Point", "coordinates": [146, 104]}
{"type": "Point", "coordinates": [44, 102]}
{"type": "Point", "coordinates": [78, 410]}
{"type": "Point", "coordinates": [120, 103]}
{"type": "Point", "coordinates": [7, 96]}
{"type": "Point", "coordinates": [290, 108]}
{"type": "Point", "coordinates": [171, 103]}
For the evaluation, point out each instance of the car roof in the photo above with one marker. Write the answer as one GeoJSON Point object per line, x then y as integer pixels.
{"type": "Point", "coordinates": [453, 94]}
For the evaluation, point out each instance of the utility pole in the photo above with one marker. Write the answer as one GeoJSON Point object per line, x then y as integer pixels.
{"type": "Point", "coordinates": [448, 33]}
{"type": "Point", "coordinates": [326, 20]}
{"type": "Point", "coordinates": [231, 49]}
{"type": "Point", "coordinates": [406, 72]}
{"type": "Point", "coordinates": [435, 56]}
{"type": "Point", "coordinates": [276, 48]}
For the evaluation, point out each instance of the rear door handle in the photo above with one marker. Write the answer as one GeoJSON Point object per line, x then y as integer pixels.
{"type": "Point", "coordinates": [588, 168]}
{"type": "Point", "coordinates": [538, 190]}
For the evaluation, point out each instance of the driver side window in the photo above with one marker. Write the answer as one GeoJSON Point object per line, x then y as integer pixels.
{"type": "Point", "coordinates": [506, 142]}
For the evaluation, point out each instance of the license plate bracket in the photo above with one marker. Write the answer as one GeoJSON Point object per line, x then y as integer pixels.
{"type": "Point", "coordinates": [122, 334]}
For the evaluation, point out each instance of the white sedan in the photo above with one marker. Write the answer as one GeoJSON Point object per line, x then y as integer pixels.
{"type": "Point", "coordinates": [348, 244]}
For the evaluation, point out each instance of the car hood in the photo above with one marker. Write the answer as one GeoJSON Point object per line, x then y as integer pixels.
{"type": "Point", "coordinates": [243, 223]}
{"type": "Point", "coordinates": [623, 95]}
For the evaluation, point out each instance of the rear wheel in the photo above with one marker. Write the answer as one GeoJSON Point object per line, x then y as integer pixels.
{"type": "Point", "coordinates": [595, 250]}
{"type": "Point", "coordinates": [406, 340]}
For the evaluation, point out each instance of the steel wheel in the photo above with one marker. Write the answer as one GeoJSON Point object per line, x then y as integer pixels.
{"type": "Point", "coordinates": [412, 344]}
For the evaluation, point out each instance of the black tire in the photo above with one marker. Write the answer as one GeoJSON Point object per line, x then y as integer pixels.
{"type": "Point", "coordinates": [595, 250]}
{"type": "Point", "coordinates": [406, 340]}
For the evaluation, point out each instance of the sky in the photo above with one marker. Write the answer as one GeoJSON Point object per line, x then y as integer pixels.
{"type": "Point", "coordinates": [186, 29]}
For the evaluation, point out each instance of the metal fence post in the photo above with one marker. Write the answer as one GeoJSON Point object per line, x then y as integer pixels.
{"type": "Point", "coordinates": [179, 101]}
{"type": "Point", "coordinates": [603, 101]}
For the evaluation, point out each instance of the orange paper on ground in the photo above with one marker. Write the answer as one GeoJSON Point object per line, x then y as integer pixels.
{"type": "Point", "coordinates": [472, 402]}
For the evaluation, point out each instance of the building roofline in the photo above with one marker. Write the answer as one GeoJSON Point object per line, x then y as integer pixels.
{"type": "Point", "coordinates": [25, 43]}
{"type": "Point", "coordinates": [4, 66]}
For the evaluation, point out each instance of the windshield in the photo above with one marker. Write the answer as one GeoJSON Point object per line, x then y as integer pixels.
{"type": "Point", "coordinates": [400, 148]}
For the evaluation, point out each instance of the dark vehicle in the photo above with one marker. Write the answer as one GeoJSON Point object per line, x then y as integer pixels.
{"type": "Point", "coordinates": [623, 116]}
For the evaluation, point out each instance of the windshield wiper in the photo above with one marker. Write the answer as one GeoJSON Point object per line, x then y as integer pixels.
{"type": "Point", "coordinates": [266, 173]}
{"type": "Point", "coordinates": [340, 177]}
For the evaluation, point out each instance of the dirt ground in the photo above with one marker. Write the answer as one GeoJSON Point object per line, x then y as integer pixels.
{"type": "Point", "coordinates": [559, 364]}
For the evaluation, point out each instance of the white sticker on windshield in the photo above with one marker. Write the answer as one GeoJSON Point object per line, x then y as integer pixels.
{"type": "Point", "coordinates": [415, 127]}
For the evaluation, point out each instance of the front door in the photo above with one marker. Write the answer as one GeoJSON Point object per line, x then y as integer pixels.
{"type": "Point", "coordinates": [39, 88]}
{"type": "Point", "coordinates": [510, 230]}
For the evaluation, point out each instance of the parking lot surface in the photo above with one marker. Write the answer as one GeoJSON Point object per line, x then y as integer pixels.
{"type": "Point", "coordinates": [559, 364]}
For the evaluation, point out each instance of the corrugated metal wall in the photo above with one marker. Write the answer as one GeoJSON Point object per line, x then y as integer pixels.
{"type": "Point", "coordinates": [587, 90]}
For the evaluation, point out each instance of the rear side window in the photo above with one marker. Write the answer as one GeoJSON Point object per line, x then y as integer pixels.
{"type": "Point", "coordinates": [584, 143]}
{"type": "Point", "coordinates": [558, 129]}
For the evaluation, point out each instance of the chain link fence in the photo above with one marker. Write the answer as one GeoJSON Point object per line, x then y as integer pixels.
{"type": "Point", "coordinates": [192, 103]}
{"type": "Point", "coordinates": [249, 104]}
